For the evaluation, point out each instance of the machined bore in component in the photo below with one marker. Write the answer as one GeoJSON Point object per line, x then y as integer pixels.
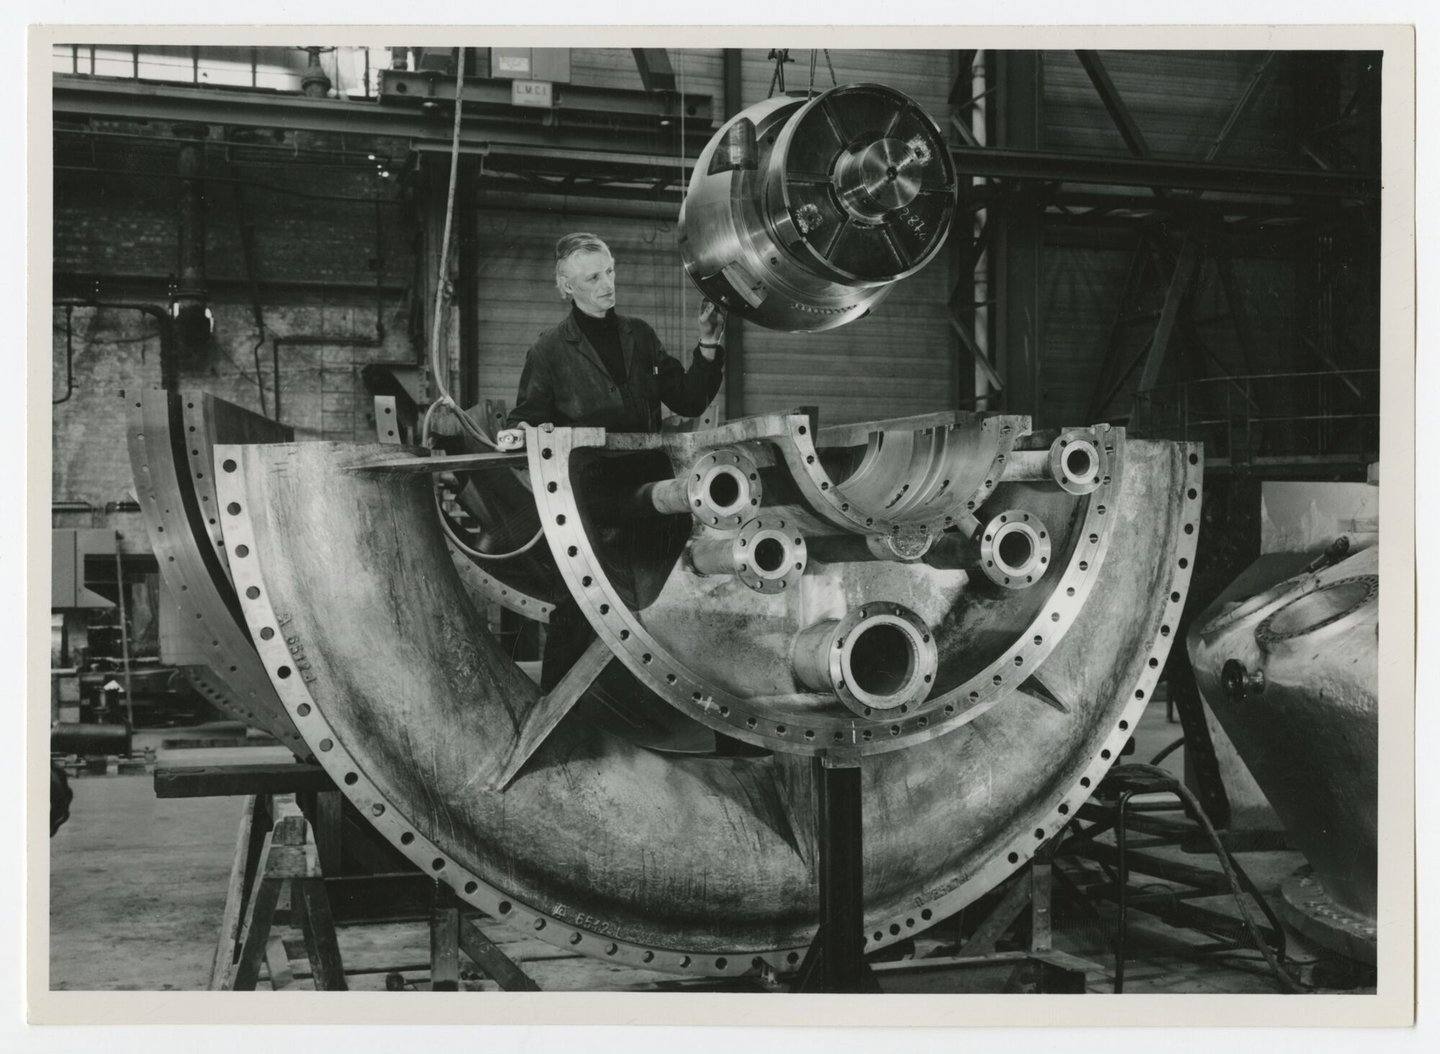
{"type": "Point", "coordinates": [1327, 608]}
{"type": "Point", "coordinates": [1014, 549]}
{"type": "Point", "coordinates": [1078, 461]}
{"type": "Point", "coordinates": [880, 657]}
{"type": "Point", "coordinates": [802, 213]}
{"type": "Point", "coordinates": [766, 555]}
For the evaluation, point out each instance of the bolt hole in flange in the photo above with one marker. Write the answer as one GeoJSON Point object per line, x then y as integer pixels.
{"type": "Point", "coordinates": [1078, 461]}
{"type": "Point", "coordinates": [875, 661]}
{"type": "Point", "coordinates": [1014, 549]}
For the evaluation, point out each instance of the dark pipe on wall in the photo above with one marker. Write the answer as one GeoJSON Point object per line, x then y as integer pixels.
{"type": "Point", "coordinates": [192, 317]}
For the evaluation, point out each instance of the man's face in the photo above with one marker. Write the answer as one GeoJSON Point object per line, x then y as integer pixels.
{"type": "Point", "coordinates": [589, 277]}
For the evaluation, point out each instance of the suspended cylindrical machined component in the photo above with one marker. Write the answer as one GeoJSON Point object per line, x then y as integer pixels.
{"type": "Point", "coordinates": [845, 194]}
{"type": "Point", "coordinates": [764, 555]}
{"type": "Point", "coordinates": [723, 489]}
{"type": "Point", "coordinates": [1014, 549]}
{"type": "Point", "coordinates": [1079, 460]}
{"type": "Point", "coordinates": [880, 657]}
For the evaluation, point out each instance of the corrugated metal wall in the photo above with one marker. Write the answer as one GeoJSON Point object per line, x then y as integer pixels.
{"type": "Point", "coordinates": [518, 300]}
{"type": "Point", "coordinates": [899, 361]}
{"type": "Point", "coordinates": [1180, 101]}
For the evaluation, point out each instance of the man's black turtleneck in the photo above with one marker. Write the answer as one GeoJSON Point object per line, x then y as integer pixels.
{"type": "Point", "coordinates": [604, 336]}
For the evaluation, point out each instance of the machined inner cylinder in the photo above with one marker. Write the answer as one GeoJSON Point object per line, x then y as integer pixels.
{"type": "Point", "coordinates": [879, 177]}
{"type": "Point", "coordinates": [879, 658]}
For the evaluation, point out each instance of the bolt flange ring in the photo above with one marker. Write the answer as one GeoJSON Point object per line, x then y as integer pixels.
{"type": "Point", "coordinates": [1078, 462]}
{"type": "Point", "coordinates": [1014, 549]}
{"type": "Point", "coordinates": [723, 489]}
{"type": "Point", "coordinates": [769, 555]}
{"type": "Point", "coordinates": [1318, 609]}
{"type": "Point", "coordinates": [879, 660]}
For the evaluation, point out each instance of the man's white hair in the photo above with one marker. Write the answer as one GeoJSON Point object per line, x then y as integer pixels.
{"type": "Point", "coordinates": [570, 245]}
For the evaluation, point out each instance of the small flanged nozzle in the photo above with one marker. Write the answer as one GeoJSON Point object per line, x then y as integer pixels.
{"type": "Point", "coordinates": [510, 439]}
{"type": "Point", "coordinates": [1239, 682]}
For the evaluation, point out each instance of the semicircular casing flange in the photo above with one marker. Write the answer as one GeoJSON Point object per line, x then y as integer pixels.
{"type": "Point", "coordinates": [689, 864]}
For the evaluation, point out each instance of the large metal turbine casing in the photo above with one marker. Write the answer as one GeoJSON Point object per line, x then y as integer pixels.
{"type": "Point", "coordinates": [1290, 671]}
{"type": "Point", "coordinates": [172, 436]}
{"type": "Point", "coordinates": [974, 613]}
{"type": "Point", "coordinates": [803, 212]}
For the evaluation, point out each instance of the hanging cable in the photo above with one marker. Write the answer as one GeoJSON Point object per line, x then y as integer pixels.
{"type": "Point", "coordinates": [833, 82]}
{"type": "Point", "coordinates": [437, 370]}
{"type": "Point", "coordinates": [1287, 981]}
{"type": "Point", "coordinates": [781, 56]}
{"type": "Point", "coordinates": [470, 550]}
{"type": "Point", "coordinates": [680, 275]}
{"type": "Point", "coordinates": [810, 91]}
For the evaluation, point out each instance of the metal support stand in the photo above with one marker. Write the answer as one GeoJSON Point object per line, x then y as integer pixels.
{"type": "Point", "coordinates": [835, 961]}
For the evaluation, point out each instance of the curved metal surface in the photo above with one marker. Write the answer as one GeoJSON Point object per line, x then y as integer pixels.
{"type": "Point", "coordinates": [1302, 709]}
{"type": "Point", "coordinates": [690, 864]}
{"type": "Point", "coordinates": [171, 438]}
{"type": "Point", "coordinates": [840, 196]}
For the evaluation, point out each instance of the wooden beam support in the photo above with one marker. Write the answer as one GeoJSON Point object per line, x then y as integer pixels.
{"type": "Point", "coordinates": [444, 941]}
{"type": "Point", "coordinates": [219, 781]}
{"type": "Point", "coordinates": [498, 966]}
{"type": "Point", "coordinates": [288, 858]}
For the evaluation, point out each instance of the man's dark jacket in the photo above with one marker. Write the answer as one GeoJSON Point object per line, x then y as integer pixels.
{"type": "Point", "coordinates": [565, 382]}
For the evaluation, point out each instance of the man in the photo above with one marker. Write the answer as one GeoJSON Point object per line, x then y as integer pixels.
{"type": "Point", "coordinates": [598, 368]}
{"type": "Point", "coordinates": [608, 370]}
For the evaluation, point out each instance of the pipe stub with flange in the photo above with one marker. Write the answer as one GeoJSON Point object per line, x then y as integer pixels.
{"type": "Point", "coordinates": [878, 659]}
{"type": "Point", "coordinates": [1014, 549]}
{"type": "Point", "coordinates": [1079, 461]}
{"type": "Point", "coordinates": [1241, 683]}
{"type": "Point", "coordinates": [767, 555]}
{"type": "Point", "coordinates": [723, 489]}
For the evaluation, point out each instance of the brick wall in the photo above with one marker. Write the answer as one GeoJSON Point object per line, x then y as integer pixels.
{"type": "Point", "coordinates": [327, 270]}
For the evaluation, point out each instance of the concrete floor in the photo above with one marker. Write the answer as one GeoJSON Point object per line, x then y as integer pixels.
{"type": "Point", "coordinates": [138, 886]}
